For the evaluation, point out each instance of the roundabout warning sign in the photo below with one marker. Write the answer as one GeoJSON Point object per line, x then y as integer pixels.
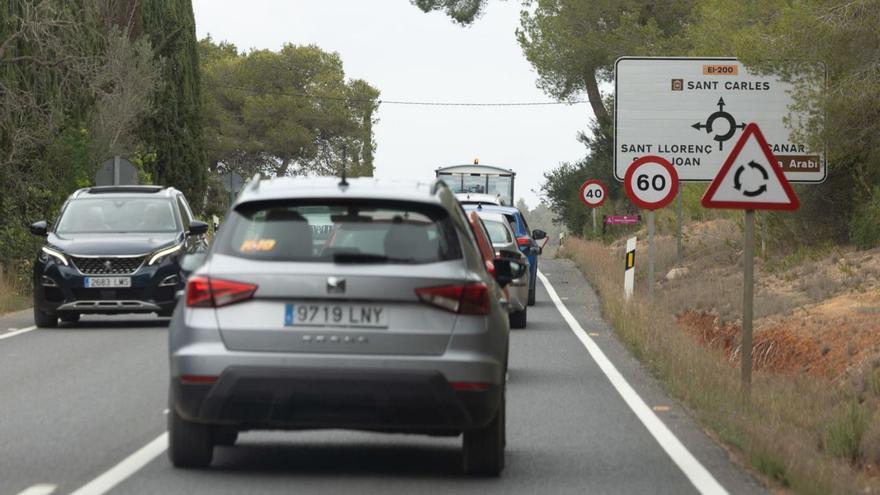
{"type": "Point", "coordinates": [691, 111]}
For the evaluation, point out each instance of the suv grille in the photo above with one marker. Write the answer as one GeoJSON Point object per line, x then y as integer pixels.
{"type": "Point", "coordinates": [108, 266]}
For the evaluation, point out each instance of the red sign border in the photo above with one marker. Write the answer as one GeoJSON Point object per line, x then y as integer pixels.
{"type": "Point", "coordinates": [631, 170]}
{"type": "Point", "coordinates": [751, 129]}
{"type": "Point", "coordinates": [584, 186]}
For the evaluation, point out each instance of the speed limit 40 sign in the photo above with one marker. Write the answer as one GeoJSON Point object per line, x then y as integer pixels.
{"type": "Point", "coordinates": [651, 182]}
{"type": "Point", "coordinates": [593, 193]}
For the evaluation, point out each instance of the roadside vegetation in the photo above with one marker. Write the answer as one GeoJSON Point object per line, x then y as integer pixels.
{"type": "Point", "coordinates": [813, 424]}
{"type": "Point", "coordinates": [84, 80]}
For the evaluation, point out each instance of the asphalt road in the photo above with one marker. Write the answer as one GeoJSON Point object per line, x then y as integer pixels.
{"type": "Point", "coordinates": [77, 401]}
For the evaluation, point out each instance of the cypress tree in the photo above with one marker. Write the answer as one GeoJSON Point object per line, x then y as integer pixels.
{"type": "Point", "coordinates": [175, 129]}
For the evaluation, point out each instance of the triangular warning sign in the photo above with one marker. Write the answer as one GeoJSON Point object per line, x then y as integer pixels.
{"type": "Point", "coordinates": [751, 178]}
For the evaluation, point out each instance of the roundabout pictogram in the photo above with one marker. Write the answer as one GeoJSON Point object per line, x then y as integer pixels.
{"type": "Point", "coordinates": [709, 125]}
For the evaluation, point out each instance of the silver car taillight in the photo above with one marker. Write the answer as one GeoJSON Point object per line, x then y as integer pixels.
{"type": "Point", "coordinates": [206, 292]}
{"type": "Point", "coordinates": [469, 299]}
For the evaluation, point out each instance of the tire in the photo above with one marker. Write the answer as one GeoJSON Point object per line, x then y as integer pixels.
{"type": "Point", "coordinates": [225, 437]}
{"type": "Point", "coordinates": [69, 317]}
{"type": "Point", "coordinates": [190, 445]}
{"type": "Point", "coordinates": [166, 313]}
{"type": "Point", "coordinates": [45, 320]}
{"type": "Point", "coordinates": [483, 449]}
{"type": "Point", "coordinates": [518, 318]}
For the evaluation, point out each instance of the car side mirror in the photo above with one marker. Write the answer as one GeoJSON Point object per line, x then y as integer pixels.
{"type": "Point", "coordinates": [538, 234]}
{"type": "Point", "coordinates": [40, 228]}
{"type": "Point", "coordinates": [197, 227]}
{"type": "Point", "coordinates": [506, 271]}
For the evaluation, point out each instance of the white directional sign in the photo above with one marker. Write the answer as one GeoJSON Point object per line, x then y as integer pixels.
{"type": "Point", "coordinates": [691, 111]}
{"type": "Point", "coordinates": [750, 178]}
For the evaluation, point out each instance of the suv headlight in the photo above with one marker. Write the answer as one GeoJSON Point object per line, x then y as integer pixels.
{"type": "Point", "coordinates": [58, 255]}
{"type": "Point", "coordinates": [159, 255]}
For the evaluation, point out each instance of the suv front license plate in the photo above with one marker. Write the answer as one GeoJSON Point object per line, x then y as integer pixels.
{"type": "Point", "coordinates": [107, 282]}
{"type": "Point", "coordinates": [335, 315]}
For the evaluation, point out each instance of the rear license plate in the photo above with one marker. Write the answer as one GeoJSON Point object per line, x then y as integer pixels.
{"type": "Point", "coordinates": [107, 282]}
{"type": "Point", "coordinates": [335, 315]}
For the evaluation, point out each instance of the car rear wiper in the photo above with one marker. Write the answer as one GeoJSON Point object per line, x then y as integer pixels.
{"type": "Point", "coordinates": [359, 258]}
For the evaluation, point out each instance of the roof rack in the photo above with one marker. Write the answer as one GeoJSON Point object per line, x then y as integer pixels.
{"type": "Point", "coordinates": [131, 189]}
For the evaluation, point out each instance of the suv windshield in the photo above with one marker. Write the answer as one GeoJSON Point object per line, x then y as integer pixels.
{"type": "Point", "coordinates": [100, 215]}
{"type": "Point", "coordinates": [353, 232]}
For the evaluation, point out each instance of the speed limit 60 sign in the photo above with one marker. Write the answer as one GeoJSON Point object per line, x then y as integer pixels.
{"type": "Point", "coordinates": [651, 182]}
{"type": "Point", "coordinates": [593, 193]}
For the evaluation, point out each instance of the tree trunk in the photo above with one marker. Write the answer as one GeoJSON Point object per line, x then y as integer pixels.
{"type": "Point", "coordinates": [595, 97]}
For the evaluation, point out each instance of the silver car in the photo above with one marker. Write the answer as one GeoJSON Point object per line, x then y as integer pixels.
{"type": "Point", "coordinates": [391, 324]}
{"type": "Point", "coordinates": [505, 246]}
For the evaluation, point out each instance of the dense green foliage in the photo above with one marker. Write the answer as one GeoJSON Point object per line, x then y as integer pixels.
{"type": "Point", "coordinates": [290, 112]}
{"type": "Point", "coordinates": [75, 83]}
{"type": "Point", "coordinates": [174, 129]}
{"type": "Point", "coordinates": [82, 81]}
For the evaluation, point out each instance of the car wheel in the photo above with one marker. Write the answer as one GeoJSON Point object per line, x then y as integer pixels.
{"type": "Point", "coordinates": [69, 317]}
{"type": "Point", "coordinates": [190, 445]}
{"type": "Point", "coordinates": [518, 318]}
{"type": "Point", "coordinates": [45, 320]}
{"type": "Point", "coordinates": [483, 448]}
{"type": "Point", "coordinates": [225, 436]}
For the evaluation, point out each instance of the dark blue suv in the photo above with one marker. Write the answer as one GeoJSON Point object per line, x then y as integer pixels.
{"type": "Point", "coordinates": [114, 249]}
{"type": "Point", "coordinates": [526, 239]}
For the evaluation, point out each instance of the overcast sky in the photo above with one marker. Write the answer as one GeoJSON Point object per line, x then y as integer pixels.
{"type": "Point", "coordinates": [409, 55]}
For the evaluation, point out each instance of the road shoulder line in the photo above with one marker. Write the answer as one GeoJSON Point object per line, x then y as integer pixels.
{"type": "Point", "coordinates": [696, 473]}
{"type": "Point", "coordinates": [17, 332]}
{"type": "Point", "coordinates": [127, 467]}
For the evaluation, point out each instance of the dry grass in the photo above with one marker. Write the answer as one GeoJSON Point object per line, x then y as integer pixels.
{"type": "Point", "coordinates": [806, 433]}
{"type": "Point", "coordinates": [10, 299]}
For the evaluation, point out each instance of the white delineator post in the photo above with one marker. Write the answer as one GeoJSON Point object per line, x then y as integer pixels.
{"type": "Point", "coordinates": [629, 276]}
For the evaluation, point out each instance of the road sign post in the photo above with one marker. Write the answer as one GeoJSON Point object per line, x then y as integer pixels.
{"type": "Point", "coordinates": [592, 194]}
{"type": "Point", "coordinates": [750, 179]}
{"type": "Point", "coordinates": [651, 182]}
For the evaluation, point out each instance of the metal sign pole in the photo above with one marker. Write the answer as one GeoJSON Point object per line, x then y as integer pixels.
{"type": "Point", "coordinates": [650, 253]}
{"type": "Point", "coordinates": [679, 213]}
{"type": "Point", "coordinates": [748, 302]}
{"type": "Point", "coordinates": [594, 220]}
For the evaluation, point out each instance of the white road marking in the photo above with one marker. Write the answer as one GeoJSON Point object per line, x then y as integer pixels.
{"type": "Point", "coordinates": [13, 332]}
{"type": "Point", "coordinates": [127, 467]}
{"type": "Point", "coordinates": [41, 489]}
{"type": "Point", "coordinates": [698, 475]}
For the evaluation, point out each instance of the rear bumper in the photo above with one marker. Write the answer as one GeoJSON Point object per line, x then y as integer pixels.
{"type": "Point", "coordinates": [409, 401]}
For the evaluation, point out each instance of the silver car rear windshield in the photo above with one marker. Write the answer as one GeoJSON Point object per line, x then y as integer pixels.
{"type": "Point", "coordinates": [340, 232]}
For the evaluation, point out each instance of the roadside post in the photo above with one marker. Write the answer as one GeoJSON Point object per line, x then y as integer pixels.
{"type": "Point", "coordinates": [750, 179]}
{"type": "Point", "coordinates": [679, 214]}
{"type": "Point", "coordinates": [651, 182]}
{"type": "Point", "coordinates": [232, 184]}
{"type": "Point", "coordinates": [592, 194]}
{"type": "Point", "coordinates": [629, 273]}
